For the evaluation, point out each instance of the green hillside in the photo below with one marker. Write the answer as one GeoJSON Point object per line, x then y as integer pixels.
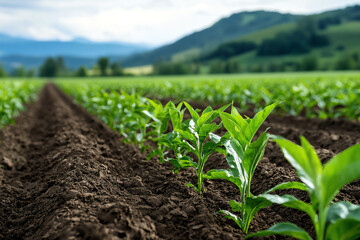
{"type": "Point", "coordinates": [343, 37]}
{"type": "Point", "coordinates": [344, 40]}
{"type": "Point", "coordinates": [224, 30]}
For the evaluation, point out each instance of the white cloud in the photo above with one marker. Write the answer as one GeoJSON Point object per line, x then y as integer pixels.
{"type": "Point", "coordinates": [141, 21]}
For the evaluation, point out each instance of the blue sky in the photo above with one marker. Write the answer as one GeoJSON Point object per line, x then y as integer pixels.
{"type": "Point", "coordinates": [153, 22]}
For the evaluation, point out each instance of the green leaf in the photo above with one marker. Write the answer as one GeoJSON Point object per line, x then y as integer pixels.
{"type": "Point", "coordinates": [215, 138]}
{"type": "Point", "coordinates": [257, 121]}
{"type": "Point", "coordinates": [235, 206]}
{"type": "Point", "coordinates": [254, 153]}
{"type": "Point", "coordinates": [234, 148]}
{"type": "Point", "coordinates": [343, 221]}
{"type": "Point", "coordinates": [208, 115]}
{"type": "Point", "coordinates": [206, 129]}
{"type": "Point", "coordinates": [182, 163]}
{"type": "Point", "coordinates": [234, 160]}
{"type": "Point", "coordinates": [297, 157]}
{"type": "Point", "coordinates": [147, 113]}
{"type": "Point", "coordinates": [232, 216]}
{"type": "Point", "coordinates": [223, 108]}
{"type": "Point", "coordinates": [239, 119]}
{"type": "Point", "coordinates": [292, 202]}
{"type": "Point", "coordinates": [252, 206]}
{"type": "Point", "coordinates": [210, 147]}
{"type": "Point", "coordinates": [207, 109]}
{"type": "Point", "coordinates": [190, 185]}
{"type": "Point", "coordinates": [206, 118]}
{"type": "Point", "coordinates": [339, 171]}
{"type": "Point", "coordinates": [288, 185]}
{"type": "Point", "coordinates": [313, 159]}
{"type": "Point", "coordinates": [186, 135]}
{"type": "Point", "coordinates": [193, 113]}
{"type": "Point", "coordinates": [153, 153]}
{"type": "Point", "coordinates": [176, 118]}
{"type": "Point", "coordinates": [234, 128]}
{"type": "Point", "coordinates": [287, 229]}
{"type": "Point", "coordinates": [224, 174]}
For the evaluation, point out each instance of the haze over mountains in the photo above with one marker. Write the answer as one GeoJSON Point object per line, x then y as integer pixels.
{"type": "Point", "coordinates": [15, 51]}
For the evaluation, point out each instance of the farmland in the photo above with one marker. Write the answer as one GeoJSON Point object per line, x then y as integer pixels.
{"type": "Point", "coordinates": [94, 158]}
{"type": "Point", "coordinates": [321, 95]}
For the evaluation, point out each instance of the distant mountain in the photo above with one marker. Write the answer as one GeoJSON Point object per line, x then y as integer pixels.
{"type": "Point", "coordinates": [77, 48]}
{"type": "Point", "coordinates": [226, 29]}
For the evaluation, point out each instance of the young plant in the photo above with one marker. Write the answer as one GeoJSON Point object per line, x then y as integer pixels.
{"type": "Point", "coordinates": [243, 155]}
{"type": "Point", "coordinates": [195, 134]}
{"type": "Point", "coordinates": [160, 121]}
{"type": "Point", "coordinates": [332, 221]}
{"type": "Point", "coordinates": [172, 141]}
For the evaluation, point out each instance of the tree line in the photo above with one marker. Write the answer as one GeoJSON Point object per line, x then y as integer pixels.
{"type": "Point", "coordinates": [56, 67]}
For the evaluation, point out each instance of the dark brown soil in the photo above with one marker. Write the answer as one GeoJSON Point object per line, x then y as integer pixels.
{"type": "Point", "coordinates": [65, 175]}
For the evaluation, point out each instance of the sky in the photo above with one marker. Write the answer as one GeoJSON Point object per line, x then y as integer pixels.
{"type": "Point", "coordinates": [151, 22]}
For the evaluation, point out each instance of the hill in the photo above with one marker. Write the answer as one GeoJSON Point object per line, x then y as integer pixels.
{"type": "Point", "coordinates": [226, 29]}
{"type": "Point", "coordinates": [343, 35]}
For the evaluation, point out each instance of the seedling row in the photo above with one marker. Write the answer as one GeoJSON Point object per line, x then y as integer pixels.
{"type": "Point", "coordinates": [190, 142]}
{"type": "Point", "coordinates": [313, 96]}
{"type": "Point", "coordinates": [13, 97]}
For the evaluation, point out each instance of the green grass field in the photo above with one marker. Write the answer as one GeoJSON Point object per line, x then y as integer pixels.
{"type": "Point", "coordinates": [293, 77]}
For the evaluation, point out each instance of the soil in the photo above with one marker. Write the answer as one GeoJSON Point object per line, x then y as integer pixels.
{"type": "Point", "coordinates": [65, 175]}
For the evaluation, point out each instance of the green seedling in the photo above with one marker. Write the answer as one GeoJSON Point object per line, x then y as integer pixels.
{"type": "Point", "coordinates": [243, 155]}
{"type": "Point", "coordinates": [197, 136]}
{"type": "Point", "coordinates": [160, 117]}
{"type": "Point", "coordinates": [332, 221]}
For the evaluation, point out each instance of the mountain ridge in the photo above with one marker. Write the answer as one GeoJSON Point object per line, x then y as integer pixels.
{"type": "Point", "coordinates": [223, 30]}
{"type": "Point", "coordinates": [79, 47]}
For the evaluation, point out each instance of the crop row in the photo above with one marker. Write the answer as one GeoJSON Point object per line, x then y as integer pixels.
{"type": "Point", "coordinates": [179, 139]}
{"type": "Point", "coordinates": [13, 96]}
{"type": "Point", "coordinates": [311, 96]}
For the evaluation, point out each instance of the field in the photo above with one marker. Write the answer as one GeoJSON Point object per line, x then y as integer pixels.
{"type": "Point", "coordinates": [316, 94]}
{"type": "Point", "coordinates": [74, 164]}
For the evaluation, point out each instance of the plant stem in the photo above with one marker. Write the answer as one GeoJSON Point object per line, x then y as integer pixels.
{"type": "Point", "coordinates": [200, 181]}
{"type": "Point", "coordinates": [243, 203]}
{"type": "Point", "coordinates": [321, 223]}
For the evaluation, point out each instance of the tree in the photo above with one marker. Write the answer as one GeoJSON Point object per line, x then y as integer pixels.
{"type": "Point", "coordinates": [170, 68]}
{"type": "Point", "coordinates": [309, 63]}
{"type": "Point", "coordinates": [347, 62]}
{"type": "Point", "coordinates": [217, 67]}
{"type": "Point", "coordinates": [232, 67]}
{"type": "Point", "coordinates": [2, 72]}
{"type": "Point", "coordinates": [116, 69]}
{"type": "Point", "coordinates": [30, 73]}
{"type": "Point", "coordinates": [20, 72]}
{"type": "Point", "coordinates": [224, 67]}
{"type": "Point", "coordinates": [300, 40]}
{"type": "Point", "coordinates": [49, 68]}
{"type": "Point", "coordinates": [228, 50]}
{"type": "Point", "coordinates": [82, 72]}
{"type": "Point", "coordinates": [103, 63]}
{"type": "Point", "coordinates": [61, 67]}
